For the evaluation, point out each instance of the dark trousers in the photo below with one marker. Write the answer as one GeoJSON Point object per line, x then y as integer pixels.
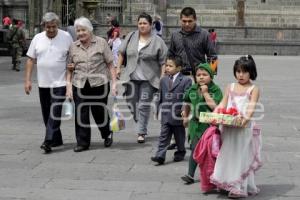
{"type": "Point", "coordinates": [94, 98]}
{"type": "Point", "coordinates": [192, 164]}
{"type": "Point", "coordinates": [51, 100]}
{"type": "Point", "coordinates": [166, 133]}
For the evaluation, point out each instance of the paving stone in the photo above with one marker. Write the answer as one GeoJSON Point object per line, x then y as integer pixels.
{"type": "Point", "coordinates": [125, 170]}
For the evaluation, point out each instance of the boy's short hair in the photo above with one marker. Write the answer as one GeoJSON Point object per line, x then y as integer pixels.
{"type": "Point", "coordinates": [188, 11]}
{"type": "Point", "coordinates": [176, 59]}
{"type": "Point", "coordinates": [246, 64]}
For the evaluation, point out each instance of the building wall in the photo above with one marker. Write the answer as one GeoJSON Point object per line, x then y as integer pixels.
{"type": "Point", "coordinates": [270, 27]}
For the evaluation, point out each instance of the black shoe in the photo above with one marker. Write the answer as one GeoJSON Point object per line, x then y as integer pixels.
{"type": "Point", "coordinates": [80, 148]}
{"type": "Point", "coordinates": [188, 179]}
{"type": "Point", "coordinates": [17, 69]}
{"type": "Point", "coordinates": [159, 160]}
{"type": "Point", "coordinates": [57, 144]}
{"type": "Point", "coordinates": [47, 148]}
{"type": "Point", "coordinates": [178, 159]}
{"type": "Point", "coordinates": [172, 146]}
{"type": "Point", "coordinates": [108, 141]}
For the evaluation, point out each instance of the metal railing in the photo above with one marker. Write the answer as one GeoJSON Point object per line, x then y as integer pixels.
{"type": "Point", "coordinates": [108, 9]}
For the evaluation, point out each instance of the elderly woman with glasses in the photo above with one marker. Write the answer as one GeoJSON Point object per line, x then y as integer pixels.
{"type": "Point", "coordinates": [90, 71]}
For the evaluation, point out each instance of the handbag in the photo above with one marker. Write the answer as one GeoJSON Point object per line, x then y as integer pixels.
{"type": "Point", "coordinates": [125, 54]}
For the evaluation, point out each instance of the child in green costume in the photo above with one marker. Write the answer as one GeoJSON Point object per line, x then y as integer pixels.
{"type": "Point", "coordinates": [203, 96]}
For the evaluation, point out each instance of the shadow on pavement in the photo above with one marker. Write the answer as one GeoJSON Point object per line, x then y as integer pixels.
{"type": "Point", "coordinates": [267, 192]}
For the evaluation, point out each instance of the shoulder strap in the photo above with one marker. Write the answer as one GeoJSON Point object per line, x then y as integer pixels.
{"type": "Point", "coordinates": [129, 39]}
{"type": "Point", "coordinates": [249, 90]}
{"type": "Point", "coordinates": [231, 94]}
{"type": "Point", "coordinates": [232, 86]}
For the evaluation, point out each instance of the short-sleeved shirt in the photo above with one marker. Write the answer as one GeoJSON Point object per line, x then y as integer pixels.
{"type": "Point", "coordinates": [198, 104]}
{"type": "Point", "coordinates": [115, 49]}
{"type": "Point", "coordinates": [51, 56]}
{"type": "Point", "coordinates": [91, 64]}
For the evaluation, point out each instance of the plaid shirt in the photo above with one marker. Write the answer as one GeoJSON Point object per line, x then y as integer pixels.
{"type": "Point", "coordinates": [200, 47]}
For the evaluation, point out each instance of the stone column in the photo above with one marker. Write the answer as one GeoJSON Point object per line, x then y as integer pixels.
{"type": "Point", "coordinates": [240, 13]}
{"type": "Point", "coordinates": [90, 7]}
{"type": "Point", "coordinates": [31, 17]}
{"type": "Point", "coordinates": [57, 8]}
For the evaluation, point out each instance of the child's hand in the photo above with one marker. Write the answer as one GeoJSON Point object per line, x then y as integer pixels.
{"type": "Point", "coordinates": [185, 119]}
{"type": "Point", "coordinates": [219, 110]}
{"type": "Point", "coordinates": [203, 89]}
{"type": "Point", "coordinates": [71, 66]}
{"type": "Point", "coordinates": [239, 121]}
{"type": "Point", "coordinates": [185, 122]}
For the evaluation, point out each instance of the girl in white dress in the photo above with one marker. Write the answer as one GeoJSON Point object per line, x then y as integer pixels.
{"type": "Point", "coordinates": [239, 156]}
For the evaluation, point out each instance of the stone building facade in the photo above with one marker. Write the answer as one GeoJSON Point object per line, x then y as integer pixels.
{"type": "Point", "coordinates": [243, 26]}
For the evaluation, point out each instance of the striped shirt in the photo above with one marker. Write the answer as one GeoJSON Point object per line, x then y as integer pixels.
{"type": "Point", "coordinates": [199, 46]}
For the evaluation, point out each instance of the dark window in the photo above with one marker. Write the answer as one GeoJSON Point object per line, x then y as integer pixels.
{"type": "Point", "coordinates": [263, 1]}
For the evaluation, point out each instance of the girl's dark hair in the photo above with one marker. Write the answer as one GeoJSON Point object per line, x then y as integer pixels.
{"type": "Point", "coordinates": [188, 11]}
{"type": "Point", "coordinates": [246, 64]}
{"type": "Point", "coordinates": [146, 16]}
{"type": "Point", "coordinates": [176, 59]}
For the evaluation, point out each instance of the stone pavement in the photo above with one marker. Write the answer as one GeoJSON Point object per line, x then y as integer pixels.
{"type": "Point", "coordinates": [124, 171]}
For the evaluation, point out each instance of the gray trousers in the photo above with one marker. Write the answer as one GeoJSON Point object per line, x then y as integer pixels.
{"type": "Point", "coordinates": [166, 133]}
{"type": "Point", "coordinates": [139, 95]}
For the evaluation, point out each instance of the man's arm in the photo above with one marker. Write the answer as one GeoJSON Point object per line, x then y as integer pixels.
{"type": "Point", "coordinates": [28, 73]}
{"type": "Point", "coordinates": [172, 49]}
{"type": "Point", "coordinates": [113, 78]}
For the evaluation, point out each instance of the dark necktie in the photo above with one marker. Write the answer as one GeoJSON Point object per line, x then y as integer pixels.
{"type": "Point", "coordinates": [170, 82]}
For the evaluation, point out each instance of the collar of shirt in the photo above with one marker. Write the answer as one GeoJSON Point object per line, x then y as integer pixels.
{"type": "Point", "coordinates": [93, 40]}
{"type": "Point", "coordinates": [175, 76]}
{"type": "Point", "coordinates": [197, 30]}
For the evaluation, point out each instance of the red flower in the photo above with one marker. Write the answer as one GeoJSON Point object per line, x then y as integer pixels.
{"type": "Point", "coordinates": [232, 111]}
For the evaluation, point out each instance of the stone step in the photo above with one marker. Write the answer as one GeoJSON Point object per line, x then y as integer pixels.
{"type": "Point", "coordinates": [223, 2]}
{"type": "Point", "coordinates": [284, 2]}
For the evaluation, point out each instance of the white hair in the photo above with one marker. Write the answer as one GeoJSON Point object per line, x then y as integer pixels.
{"type": "Point", "coordinates": [49, 17]}
{"type": "Point", "coordinates": [85, 22]}
{"type": "Point", "coordinates": [157, 17]}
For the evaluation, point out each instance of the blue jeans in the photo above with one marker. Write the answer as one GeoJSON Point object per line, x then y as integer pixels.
{"type": "Point", "coordinates": [139, 95]}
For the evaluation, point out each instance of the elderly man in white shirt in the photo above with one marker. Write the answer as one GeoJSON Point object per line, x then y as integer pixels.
{"type": "Point", "coordinates": [49, 50]}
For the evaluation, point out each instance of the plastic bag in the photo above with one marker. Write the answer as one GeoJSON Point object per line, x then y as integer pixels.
{"type": "Point", "coordinates": [68, 108]}
{"type": "Point", "coordinates": [117, 122]}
